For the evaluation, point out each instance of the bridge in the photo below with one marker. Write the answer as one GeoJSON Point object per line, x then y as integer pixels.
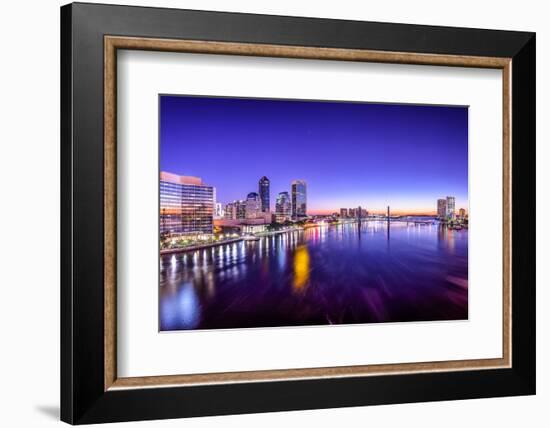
{"type": "Point", "coordinates": [421, 220]}
{"type": "Point", "coordinates": [396, 219]}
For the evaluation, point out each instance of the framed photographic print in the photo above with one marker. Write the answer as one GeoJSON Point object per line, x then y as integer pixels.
{"type": "Point", "coordinates": [312, 254]}
{"type": "Point", "coordinates": [265, 213]}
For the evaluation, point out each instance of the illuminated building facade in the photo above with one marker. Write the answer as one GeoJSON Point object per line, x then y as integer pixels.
{"type": "Point", "coordinates": [218, 213]}
{"type": "Point", "coordinates": [235, 210]}
{"type": "Point", "coordinates": [230, 211]}
{"type": "Point", "coordinates": [442, 208]}
{"type": "Point", "coordinates": [299, 199]}
{"type": "Point", "coordinates": [283, 207]}
{"type": "Point", "coordinates": [186, 205]}
{"type": "Point", "coordinates": [253, 205]}
{"type": "Point", "coordinates": [451, 207]}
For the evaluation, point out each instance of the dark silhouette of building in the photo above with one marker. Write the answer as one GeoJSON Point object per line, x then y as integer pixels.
{"type": "Point", "coordinates": [263, 190]}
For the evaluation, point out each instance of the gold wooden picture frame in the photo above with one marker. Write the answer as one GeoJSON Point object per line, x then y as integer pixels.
{"type": "Point", "coordinates": [114, 43]}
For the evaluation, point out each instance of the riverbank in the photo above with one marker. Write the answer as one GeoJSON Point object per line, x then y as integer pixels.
{"type": "Point", "coordinates": [199, 246]}
{"type": "Point", "coordinates": [227, 241]}
{"type": "Point", "coordinates": [278, 232]}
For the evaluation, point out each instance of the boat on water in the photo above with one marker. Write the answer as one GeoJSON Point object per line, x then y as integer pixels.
{"type": "Point", "coordinates": [251, 238]}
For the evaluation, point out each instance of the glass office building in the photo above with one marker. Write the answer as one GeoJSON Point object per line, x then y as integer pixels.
{"type": "Point", "coordinates": [283, 208]}
{"type": "Point", "coordinates": [186, 205]}
{"type": "Point", "coordinates": [451, 207]}
{"type": "Point", "coordinates": [263, 190]}
{"type": "Point", "coordinates": [299, 199]}
{"type": "Point", "coordinates": [442, 208]}
{"type": "Point", "coordinates": [253, 205]}
{"type": "Point", "coordinates": [235, 210]}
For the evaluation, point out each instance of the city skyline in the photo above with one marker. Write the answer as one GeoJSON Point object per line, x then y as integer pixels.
{"type": "Point", "coordinates": [405, 156]}
{"type": "Point", "coordinates": [440, 203]}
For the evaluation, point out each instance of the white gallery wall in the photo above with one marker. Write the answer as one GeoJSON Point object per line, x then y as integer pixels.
{"type": "Point", "coordinates": [29, 214]}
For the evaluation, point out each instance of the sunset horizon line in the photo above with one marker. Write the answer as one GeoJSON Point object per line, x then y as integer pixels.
{"type": "Point", "coordinates": [416, 212]}
{"type": "Point", "coordinates": [322, 211]}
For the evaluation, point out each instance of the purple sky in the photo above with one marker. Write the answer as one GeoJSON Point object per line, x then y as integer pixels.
{"type": "Point", "coordinates": [350, 154]}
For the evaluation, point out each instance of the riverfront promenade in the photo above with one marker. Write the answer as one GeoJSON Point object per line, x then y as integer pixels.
{"type": "Point", "coordinates": [417, 221]}
{"type": "Point", "coordinates": [199, 246]}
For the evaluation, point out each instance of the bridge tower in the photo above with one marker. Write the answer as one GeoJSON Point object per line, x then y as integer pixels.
{"type": "Point", "coordinates": [358, 215]}
{"type": "Point", "coordinates": [388, 225]}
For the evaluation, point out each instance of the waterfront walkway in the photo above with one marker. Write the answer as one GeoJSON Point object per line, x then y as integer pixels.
{"type": "Point", "coordinates": [199, 246]}
{"type": "Point", "coordinates": [279, 232]}
{"type": "Point", "coordinates": [419, 221]}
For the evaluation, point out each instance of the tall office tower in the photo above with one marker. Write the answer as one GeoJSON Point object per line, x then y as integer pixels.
{"type": "Point", "coordinates": [253, 205]}
{"type": "Point", "coordinates": [283, 207]}
{"type": "Point", "coordinates": [299, 199]}
{"type": "Point", "coordinates": [450, 206]}
{"type": "Point", "coordinates": [441, 208]}
{"type": "Point", "coordinates": [186, 205]}
{"type": "Point", "coordinates": [343, 212]}
{"type": "Point", "coordinates": [263, 190]}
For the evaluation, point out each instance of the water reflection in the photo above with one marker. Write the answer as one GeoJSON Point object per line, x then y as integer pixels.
{"type": "Point", "coordinates": [182, 311]}
{"type": "Point", "coordinates": [301, 267]}
{"type": "Point", "coordinates": [325, 275]}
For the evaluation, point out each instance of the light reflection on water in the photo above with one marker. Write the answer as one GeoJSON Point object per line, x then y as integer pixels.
{"type": "Point", "coordinates": [301, 268]}
{"type": "Point", "coordinates": [325, 275]}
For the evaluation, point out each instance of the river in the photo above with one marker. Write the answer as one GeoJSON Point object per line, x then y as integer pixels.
{"type": "Point", "coordinates": [333, 274]}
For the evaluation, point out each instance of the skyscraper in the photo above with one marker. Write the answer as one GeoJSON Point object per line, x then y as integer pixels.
{"type": "Point", "coordinates": [263, 190]}
{"type": "Point", "coordinates": [252, 205]}
{"type": "Point", "coordinates": [299, 199]}
{"type": "Point", "coordinates": [441, 208]}
{"type": "Point", "coordinates": [462, 213]}
{"type": "Point", "coordinates": [343, 212]}
{"type": "Point", "coordinates": [186, 205]}
{"type": "Point", "coordinates": [283, 207]}
{"type": "Point", "coordinates": [450, 206]}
